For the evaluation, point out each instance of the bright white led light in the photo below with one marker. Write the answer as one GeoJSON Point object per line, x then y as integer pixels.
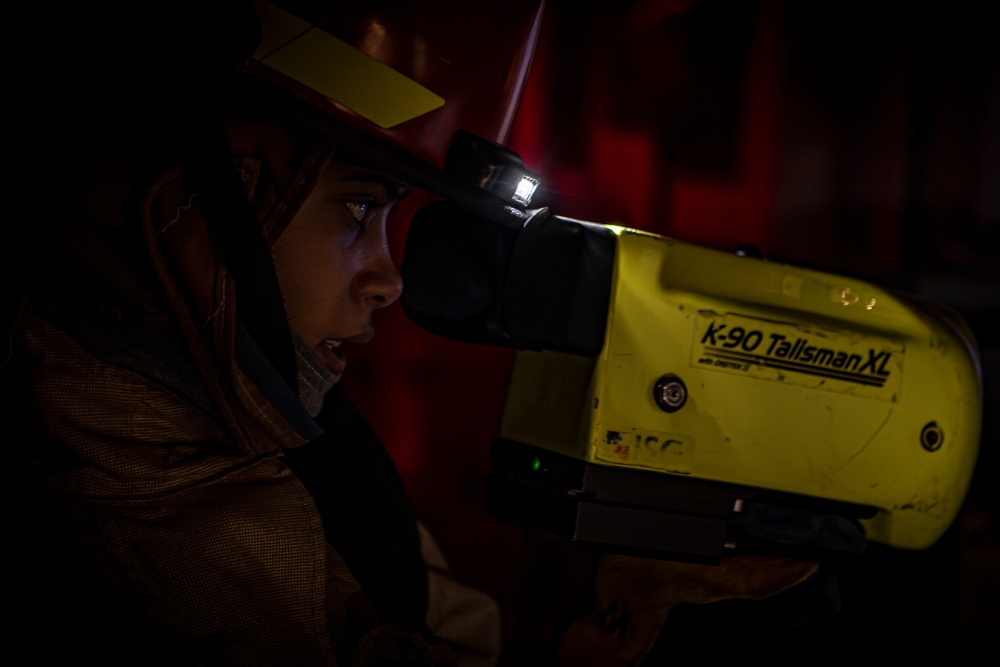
{"type": "Point", "coordinates": [525, 189]}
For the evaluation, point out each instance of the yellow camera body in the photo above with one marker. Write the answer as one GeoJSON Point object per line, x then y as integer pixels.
{"type": "Point", "coordinates": [744, 374]}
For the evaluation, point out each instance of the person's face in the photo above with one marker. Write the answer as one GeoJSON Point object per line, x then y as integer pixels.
{"type": "Point", "coordinates": [333, 261]}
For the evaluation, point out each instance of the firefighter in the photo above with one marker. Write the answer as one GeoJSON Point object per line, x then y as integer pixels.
{"type": "Point", "coordinates": [185, 480]}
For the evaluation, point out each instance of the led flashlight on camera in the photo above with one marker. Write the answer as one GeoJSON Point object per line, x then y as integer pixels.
{"type": "Point", "coordinates": [492, 167]}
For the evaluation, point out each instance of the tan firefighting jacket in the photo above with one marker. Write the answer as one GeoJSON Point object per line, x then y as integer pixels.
{"type": "Point", "coordinates": [150, 516]}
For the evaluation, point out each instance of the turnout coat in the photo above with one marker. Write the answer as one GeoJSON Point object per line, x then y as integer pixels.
{"type": "Point", "coordinates": [167, 498]}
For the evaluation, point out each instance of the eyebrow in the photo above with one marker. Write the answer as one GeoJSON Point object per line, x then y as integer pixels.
{"type": "Point", "coordinates": [395, 188]}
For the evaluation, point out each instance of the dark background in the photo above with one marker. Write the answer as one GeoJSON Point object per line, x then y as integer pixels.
{"type": "Point", "coordinates": [857, 137]}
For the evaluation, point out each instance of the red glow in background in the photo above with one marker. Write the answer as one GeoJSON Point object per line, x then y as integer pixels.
{"type": "Point", "coordinates": [861, 138]}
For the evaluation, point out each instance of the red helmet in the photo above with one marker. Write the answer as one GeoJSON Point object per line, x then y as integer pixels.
{"type": "Point", "coordinates": [410, 71]}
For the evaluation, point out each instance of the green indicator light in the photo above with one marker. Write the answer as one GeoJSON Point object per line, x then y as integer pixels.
{"type": "Point", "coordinates": [536, 464]}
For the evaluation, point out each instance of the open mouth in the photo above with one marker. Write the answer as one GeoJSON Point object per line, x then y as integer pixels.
{"type": "Point", "coordinates": [332, 357]}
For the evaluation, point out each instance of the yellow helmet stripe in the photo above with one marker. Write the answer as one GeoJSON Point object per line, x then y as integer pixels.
{"type": "Point", "coordinates": [338, 71]}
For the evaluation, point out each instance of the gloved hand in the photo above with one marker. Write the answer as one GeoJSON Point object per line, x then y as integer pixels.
{"type": "Point", "coordinates": [633, 596]}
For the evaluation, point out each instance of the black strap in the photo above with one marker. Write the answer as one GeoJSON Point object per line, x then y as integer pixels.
{"type": "Point", "coordinates": [239, 240]}
{"type": "Point", "coordinates": [365, 510]}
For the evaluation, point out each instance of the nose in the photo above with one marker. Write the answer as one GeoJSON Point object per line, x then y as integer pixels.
{"type": "Point", "coordinates": [380, 284]}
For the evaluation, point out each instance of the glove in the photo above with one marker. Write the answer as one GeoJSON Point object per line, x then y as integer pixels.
{"type": "Point", "coordinates": [779, 626]}
{"type": "Point", "coordinates": [634, 596]}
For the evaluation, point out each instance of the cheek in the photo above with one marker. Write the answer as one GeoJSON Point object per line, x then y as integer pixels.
{"type": "Point", "coordinates": [313, 273]}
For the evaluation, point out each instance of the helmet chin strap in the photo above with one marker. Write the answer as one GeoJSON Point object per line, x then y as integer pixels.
{"type": "Point", "coordinates": [240, 241]}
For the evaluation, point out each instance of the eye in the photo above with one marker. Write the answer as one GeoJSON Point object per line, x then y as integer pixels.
{"type": "Point", "coordinates": [358, 209]}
